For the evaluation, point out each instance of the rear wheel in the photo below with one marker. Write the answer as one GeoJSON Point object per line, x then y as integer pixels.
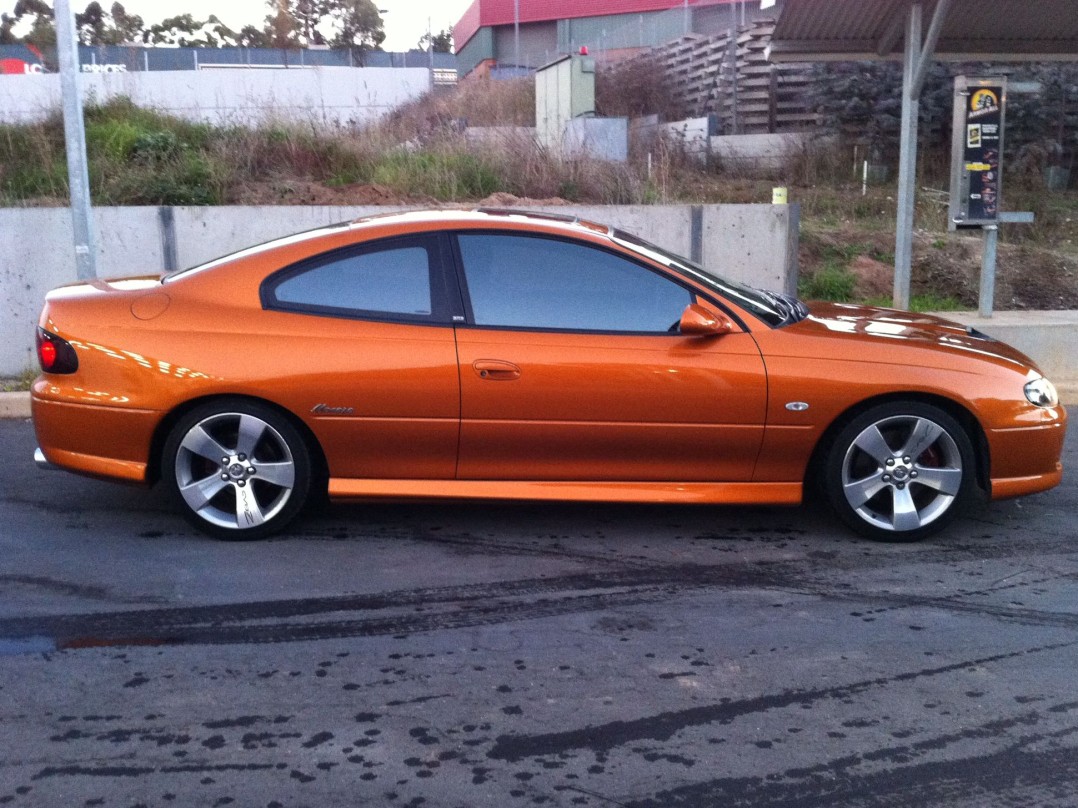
{"type": "Point", "coordinates": [900, 471]}
{"type": "Point", "coordinates": [238, 469]}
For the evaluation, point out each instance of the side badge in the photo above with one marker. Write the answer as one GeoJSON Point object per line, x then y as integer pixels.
{"type": "Point", "coordinates": [797, 406]}
{"type": "Point", "coordinates": [325, 409]}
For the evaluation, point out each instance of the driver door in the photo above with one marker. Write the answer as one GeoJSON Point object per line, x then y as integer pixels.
{"type": "Point", "coordinates": [572, 369]}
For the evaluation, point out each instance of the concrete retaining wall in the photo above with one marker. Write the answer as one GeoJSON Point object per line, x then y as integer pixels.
{"type": "Point", "coordinates": [760, 154]}
{"type": "Point", "coordinates": [326, 96]}
{"type": "Point", "coordinates": [755, 244]}
{"type": "Point", "coordinates": [1049, 338]}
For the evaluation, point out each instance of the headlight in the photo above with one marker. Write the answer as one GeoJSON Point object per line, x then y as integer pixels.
{"type": "Point", "coordinates": [1041, 393]}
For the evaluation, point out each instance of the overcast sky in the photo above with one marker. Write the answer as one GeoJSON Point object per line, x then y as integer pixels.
{"type": "Point", "coordinates": [405, 20]}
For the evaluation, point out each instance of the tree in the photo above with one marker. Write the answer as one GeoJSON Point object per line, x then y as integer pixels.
{"type": "Point", "coordinates": [7, 23]}
{"type": "Point", "coordinates": [187, 32]}
{"type": "Point", "coordinates": [95, 26]}
{"type": "Point", "coordinates": [251, 37]}
{"type": "Point", "coordinates": [90, 24]}
{"type": "Point", "coordinates": [126, 27]}
{"type": "Point", "coordinates": [309, 14]}
{"type": "Point", "coordinates": [443, 41]}
{"type": "Point", "coordinates": [42, 33]}
{"type": "Point", "coordinates": [358, 25]}
{"type": "Point", "coordinates": [281, 25]}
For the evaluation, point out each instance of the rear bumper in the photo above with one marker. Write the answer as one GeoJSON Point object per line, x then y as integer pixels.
{"type": "Point", "coordinates": [109, 442]}
{"type": "Point", "coordinates": [41, 462]}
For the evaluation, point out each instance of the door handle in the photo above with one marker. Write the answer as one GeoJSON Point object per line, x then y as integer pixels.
{"type": "Point", "coordinates": [496, 370]}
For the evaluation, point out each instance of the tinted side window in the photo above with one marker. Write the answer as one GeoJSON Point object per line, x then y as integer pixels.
{"type": "Point", "coordinates": [528, 282]}
{"type": "Point", "coordinates": [384, 281]}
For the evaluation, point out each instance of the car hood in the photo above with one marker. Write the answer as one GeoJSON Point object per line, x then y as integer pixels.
{"type": "Point", "coordinates": [891, 326]}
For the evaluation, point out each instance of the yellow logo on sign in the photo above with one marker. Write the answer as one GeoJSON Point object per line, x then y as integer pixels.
{"type": "Point", "coordinates": [984, 101]}
{"type": "Point", "coordinates": [978, 167]}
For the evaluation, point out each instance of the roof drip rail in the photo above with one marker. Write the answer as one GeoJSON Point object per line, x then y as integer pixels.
{"type": "Point", "coordinates": [563, 218]}
{"type": "Point", "coordinates": [568, 218]}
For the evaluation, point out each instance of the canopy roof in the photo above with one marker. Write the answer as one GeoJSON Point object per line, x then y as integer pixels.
{"type": "Point", "coordinates": [973, 30]}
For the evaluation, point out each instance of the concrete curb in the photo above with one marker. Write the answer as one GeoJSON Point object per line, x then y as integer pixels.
{"type": "Point", "coordinates": [17, 405]}
{"type": "Point", "coordinates": [14, 405]}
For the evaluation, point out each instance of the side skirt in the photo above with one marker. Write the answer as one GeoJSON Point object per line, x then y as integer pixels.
{"type": "Point", "coordinates": [685, 493]}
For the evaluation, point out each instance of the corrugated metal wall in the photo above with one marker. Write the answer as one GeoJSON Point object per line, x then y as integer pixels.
{"type": "Point", "coordinates": [538, 44]}
{"type": "Point", "coordinates": [479, 48]}
{"type": "Point", "coordinates": [618, 31]}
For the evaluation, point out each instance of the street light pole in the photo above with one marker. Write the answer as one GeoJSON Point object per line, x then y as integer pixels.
{"type": "Point", "coordinates": [430, 51]}
{"type": "Point", "coordinates": [78, 178]}
{"type": "Point", "coordinates": [516, 33]}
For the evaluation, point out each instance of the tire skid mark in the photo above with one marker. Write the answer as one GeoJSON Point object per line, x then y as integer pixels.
{"type": "Point", "coordinates": [159, 620]}
{"type": "Point", "coordinates": [466, 605]}
{"type": "Point", "coordinates": [604, 737]}
{"type": "Point", "coordinates": [970, 780]}
{"type": "Point", "coordinates": [478, 545]}
{"type": "Point", "coordinates": [144, 771]}
{"type": "Point", "coordinates": [903, 753]}
{"type": "Point", "coordinates": [895, 602]}
{"type": "Point", "coordinates": [982, 592]}
{"type": "Point", "coordinates": [405, 624]}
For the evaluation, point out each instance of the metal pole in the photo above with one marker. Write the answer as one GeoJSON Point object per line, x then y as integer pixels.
{"type": "Point", "coordinates": [988, 270]}
{"type": "Point", "coordinates": [430, 51]}
{"type": "Point", "coordinates": [685, 15]}
{"type": "Point", "coordinates": [78, 177]}
{"type": "Point", "coordinates": [516, 33]}
{"type": "Point", "coordinates": [907, 162]}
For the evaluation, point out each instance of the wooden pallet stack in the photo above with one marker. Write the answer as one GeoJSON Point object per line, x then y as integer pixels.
{"type": "Point", "coordinates": [731, 77]}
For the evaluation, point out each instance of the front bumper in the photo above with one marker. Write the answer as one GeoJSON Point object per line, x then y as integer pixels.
{"type": "Point", "coordinates": [1027, 459]}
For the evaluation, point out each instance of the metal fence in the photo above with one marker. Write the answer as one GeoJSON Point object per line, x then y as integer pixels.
{"type": "Point", "coordinates": [125, 59]}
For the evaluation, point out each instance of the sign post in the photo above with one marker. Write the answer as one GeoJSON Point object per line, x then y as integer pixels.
{"type": "Point", "coordinates": [978, 124]}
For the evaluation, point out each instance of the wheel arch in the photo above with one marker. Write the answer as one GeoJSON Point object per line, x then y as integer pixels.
{"type": "Point", "coordinates": [319, 466]}
{"type": "Point", "coordinates": [961, 413]}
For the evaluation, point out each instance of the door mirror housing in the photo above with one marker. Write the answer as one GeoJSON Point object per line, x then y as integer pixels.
{"type": "Point", "coordinates": [696, 321]}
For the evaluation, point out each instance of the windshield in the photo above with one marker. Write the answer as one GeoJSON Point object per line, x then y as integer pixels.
{"type": "Point", "coordinates": [773, 308]}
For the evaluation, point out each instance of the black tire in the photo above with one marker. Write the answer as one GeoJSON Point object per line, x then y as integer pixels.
{"type": "Point", "coordinates": [237, 468]}
{"type": "Point", "coordinates": [900, 471]}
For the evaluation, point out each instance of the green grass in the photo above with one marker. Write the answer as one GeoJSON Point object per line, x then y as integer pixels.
{"type": "Point", "coordinates": [926, 302]}
{"type": "Point", "coordinates": [20, 383]}
{"type": "Point", "coordinates": [832, 282]}
{"type": "Point", "coordinates": [445, 175]}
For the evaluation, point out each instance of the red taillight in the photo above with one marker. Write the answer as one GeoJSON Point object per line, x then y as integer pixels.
{"type": "Point", "coordinates": [55, 354]}
{"type": "Point", "coordinates": [46, 352]}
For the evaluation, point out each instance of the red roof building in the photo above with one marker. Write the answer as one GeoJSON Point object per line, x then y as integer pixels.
{"type": "Point", "coordinates": [491, 33]}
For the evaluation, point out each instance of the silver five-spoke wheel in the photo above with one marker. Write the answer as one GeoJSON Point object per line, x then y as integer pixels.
{"type": "Point", "coordinates": [899, 471]}
{"type": "Point", "coordinates": [240, 471]}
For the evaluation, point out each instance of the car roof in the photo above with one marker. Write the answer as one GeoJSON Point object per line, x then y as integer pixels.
{"type": "Point", "coordinates": [485, 216]}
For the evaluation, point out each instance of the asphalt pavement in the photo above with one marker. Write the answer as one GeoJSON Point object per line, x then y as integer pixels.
{"type": "Point", "coordinates": [522, 654]}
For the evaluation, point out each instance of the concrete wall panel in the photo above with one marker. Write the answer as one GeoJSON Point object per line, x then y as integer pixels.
{"type": "Point", "coordinates": [325, 96]}
{"type": "Point", "coordinates": [748, 243]}
{"type": "Point", "coordinates": [205, 233]}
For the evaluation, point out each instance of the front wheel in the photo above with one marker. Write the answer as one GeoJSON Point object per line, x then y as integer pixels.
{"type": "Point", "coordinates": [900, 471]}
{"type": "Point", "coordinates": [238, 469]}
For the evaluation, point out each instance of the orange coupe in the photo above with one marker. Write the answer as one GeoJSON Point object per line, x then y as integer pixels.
{"type": "Point", "coordinates": [508, 355]}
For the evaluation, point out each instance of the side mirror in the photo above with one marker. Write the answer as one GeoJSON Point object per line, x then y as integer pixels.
{"type": "Point", "coordinates": [696, 321]}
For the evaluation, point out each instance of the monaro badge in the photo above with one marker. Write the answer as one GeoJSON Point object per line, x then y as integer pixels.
{"type": "Point", "coordinates": [325, 409]}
